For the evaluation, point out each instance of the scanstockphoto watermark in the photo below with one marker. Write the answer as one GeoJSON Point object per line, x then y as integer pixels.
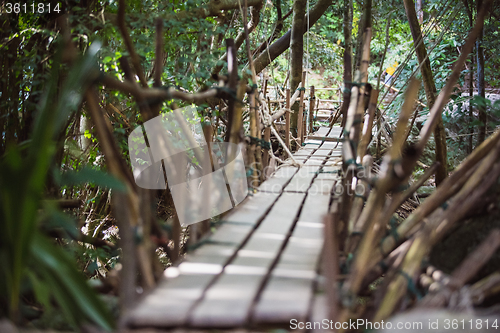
{"type": "Point", "coordinates": [358, 324]}
{"type": "Point", "coordinates": [205, 179]}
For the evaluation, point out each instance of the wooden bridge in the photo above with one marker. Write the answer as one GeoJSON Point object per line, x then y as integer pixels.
{"type": "Point", "coordinates": [261, 267]}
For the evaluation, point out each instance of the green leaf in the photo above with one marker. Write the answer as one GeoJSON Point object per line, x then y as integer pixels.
{"type": "Point", "coordinates": [90, 175]}
{"type": "Point", "coordinates": [71, 290]}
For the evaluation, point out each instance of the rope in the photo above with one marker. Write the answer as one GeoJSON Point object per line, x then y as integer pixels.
{"type": "Point", "coordinates": [394, 229]}
{"type": "Point", "coordinates": [410, 284]}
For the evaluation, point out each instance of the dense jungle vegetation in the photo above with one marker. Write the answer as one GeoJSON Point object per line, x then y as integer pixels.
{"type": "Point", "coordinates": [71, 217]}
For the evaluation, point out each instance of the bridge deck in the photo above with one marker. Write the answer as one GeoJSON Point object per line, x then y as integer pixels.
{"type": "Point", "coordinates": [261, 265]}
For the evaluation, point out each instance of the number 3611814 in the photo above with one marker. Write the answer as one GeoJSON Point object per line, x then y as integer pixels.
{"type": "Point", "coordinates": [34, 7]}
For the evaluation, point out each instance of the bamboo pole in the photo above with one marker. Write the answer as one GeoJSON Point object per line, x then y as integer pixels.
{"type": "Point", "coordinates": [287, 119]}
{"type": "Point", "coordinates": [311, 108]}
{"type": "Point", "coordinates": [252, 159]}
{"type": "Point", "coordinates": [370, 219]}
{"type": "Point", "coordinates": [465, 271]}
{"type": "Point", "coordinates": [267, 138]}
{"type": "Point", "coordinates": [450, 186]}
{"type": "Point", "coordinates": [485, 288]}
{"type": "Point", "coordinates": [304, 123]}
{"type": "Point", "coordinates": [301, 109]}
{"type": "Point", "coordinates": [354, 232]}
{"type": "Point", "coordinates": [368, 125]}
{"type": "Point", "coordinates": [483, 177]}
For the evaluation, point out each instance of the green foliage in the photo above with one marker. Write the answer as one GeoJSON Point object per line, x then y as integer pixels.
{"type": "Point", "coordinates": [90, 176]}
{"type": "Point", "coordinates": [25, 253]}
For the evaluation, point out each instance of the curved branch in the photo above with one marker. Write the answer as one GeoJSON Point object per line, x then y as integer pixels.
{"type": "Point", "coordinates": [280, 46]}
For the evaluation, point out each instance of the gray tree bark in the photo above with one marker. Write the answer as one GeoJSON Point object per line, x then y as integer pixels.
{"type": "Point", "coordinates": [296, 55]}
{"type": "Point", "coordinates": [480, 81]}
{"type": "Point", "coordinates": [430, 90]}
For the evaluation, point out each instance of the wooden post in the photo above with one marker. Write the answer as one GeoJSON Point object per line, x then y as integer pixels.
{"type": "Point", "coordinates": [287, 119]}
{"type": "Point", "coordinates": [252, 151]}
{"type": "Point", "coordinates": [267, 137]}
{"type": "Point", "coordinates": [312, 99]}
{"type": "Point", "coordinates": [304, 124]}
{"type": "Point", "coordinates": [176, 238]}
{"type": "Point", "coordinates": [265, 156]}
{"type": "Point", "coordinates": [232, 67]}
{"type": "Point", "coordinates": [301, 109]}
{"type": "Point", "coordinates": [430, 90]}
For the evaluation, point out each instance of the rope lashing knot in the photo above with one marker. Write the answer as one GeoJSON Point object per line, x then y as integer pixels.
{"type": "Point", "coordinates": [259, 142]}
{"type": "Point", "coordinates": [410, 285]}
{"type": "Point", "coordinates": [356, 121]}
{"type": "Point", "coordinates": [301, 89]}
{"type": "Point", "coordinates": [351, 161]}
{"type": "Point", "coordinates": [249, 171]}
{"type": "Point", "coordinates": [383, 266]}
{"type": "Point", "coordinates": [402, 188]}
{"type": "Point", "coordinates": [344, 269]}
{"type": "Point", "coordinates": [394, 229]}
{"type": "Point", "coordinates": [359, 196]}
{"type": "Point", "coordinates": [444, 205]}
{"type": "Point", "coordinates": [138, 234]}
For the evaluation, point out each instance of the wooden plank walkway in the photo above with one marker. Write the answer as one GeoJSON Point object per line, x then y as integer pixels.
{"type": "Point", "coordinates": [260, 266]}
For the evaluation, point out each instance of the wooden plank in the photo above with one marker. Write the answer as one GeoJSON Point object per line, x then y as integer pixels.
{"type": "Point", "coordinates": [212, 253]}
{"type": "Point", "coordinates": [283, 299]}
{"type": "Point", "coordinates": [302, 179]}
{"type": "Point", "coordinates": [323, 138]}
{"type": "Point", "coordinates": [313, 161]}
{"type": "Point", "coordinates": [322, 131]}
{"type": "Point", "coordinates": [323, 185]}
{"type": "Point", "coordinates": [169, 304]}
{"type": "Point", "coordinates": [230, 234]}
{"type": "Point", "coordinates": [315, 206]}
{"type": "Point", "coordinates": [308, 230]}
{"type": "Point", "coordinates": [296, 270]}
{"type": "Point", "coordinates": [331, 145]}
{"type": "Point", "coordinates": [252, 210]}
{"type": "Point", "coordinates": [227, 303]}
{"type": "Point", "coordinates": [285, 171]}
{"type": "Point", "coordinates": [281, 217]}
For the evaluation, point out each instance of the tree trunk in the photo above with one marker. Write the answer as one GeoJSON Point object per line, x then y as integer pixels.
{"type": "Point", "coordinates": [420, 11]}
{"type": "Point", "coordinates": [365, 23]}
{"type": "Point", "coordinates": [430, 90]}
{"type": "Point", "coordinates": [280, 46]}
{"type": "Point", "coordinates": [347, 59]}
{"type": "Point", "coordinates": [480, 80]}
{"type": "Point", "coordinates": [297, 55]}
{"type": "Point", "coordinates": [471, 84]}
